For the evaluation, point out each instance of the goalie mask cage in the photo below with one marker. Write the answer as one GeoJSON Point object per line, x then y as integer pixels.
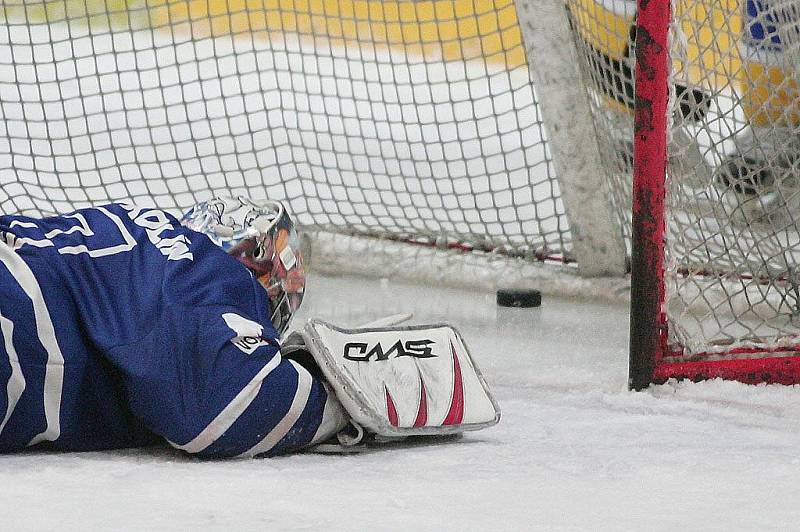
{"type": "Point", "coordinates": [474, 143]}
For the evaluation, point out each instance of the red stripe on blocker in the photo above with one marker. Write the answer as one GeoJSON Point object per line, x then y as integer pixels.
{"type": "Point", "coordinates": [422, 411]}
{"type": "Point", "coordinates": [456, 413]}
{"type": "Point", "coordinates": [391, 410]}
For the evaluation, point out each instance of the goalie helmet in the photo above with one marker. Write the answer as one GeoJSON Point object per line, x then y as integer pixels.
{"type": "Point", "coordinates": [262, 236]}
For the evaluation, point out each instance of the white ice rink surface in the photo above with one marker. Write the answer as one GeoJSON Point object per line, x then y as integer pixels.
{"type": "Point", "coordinates": [574, 451]}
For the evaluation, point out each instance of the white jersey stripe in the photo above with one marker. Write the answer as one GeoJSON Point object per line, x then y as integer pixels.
{"type": "Point", "coordinates": [54, 372]}
{"type": "Point", "coordinates": [16, 382]}
{"type": "Point", "coordinates": [231, 412]}
{"type": "Point", "coordinates": [299, 403]}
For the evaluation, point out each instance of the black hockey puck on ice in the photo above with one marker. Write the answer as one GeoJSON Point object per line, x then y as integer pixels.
{"type": "Point", "coordinates": [519, 298]}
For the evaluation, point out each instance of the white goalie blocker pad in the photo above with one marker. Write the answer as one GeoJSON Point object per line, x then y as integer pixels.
{"type": "Point", "coordinates": [403, 381]}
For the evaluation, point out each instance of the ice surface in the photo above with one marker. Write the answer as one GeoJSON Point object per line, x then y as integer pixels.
{"type": "Point", "coordinates": [574, 450]}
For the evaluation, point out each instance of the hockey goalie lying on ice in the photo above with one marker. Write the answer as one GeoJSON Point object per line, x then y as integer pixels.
{"type": "Point", "coordinates": [122, 327]}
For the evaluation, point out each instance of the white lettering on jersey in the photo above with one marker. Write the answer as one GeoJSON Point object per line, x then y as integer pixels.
{"type": "Point", "coordinates": [248, 333]}
{"type": "Point", "coordinates": [10, 240]}
{"type": "Point", "coordinates": [155, 223]}
{"type": "Point", "coordinates": [59, 238]}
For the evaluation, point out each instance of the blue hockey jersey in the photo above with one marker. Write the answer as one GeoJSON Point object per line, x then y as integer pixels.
{"type": "Point", "coordinates": [119, 328]}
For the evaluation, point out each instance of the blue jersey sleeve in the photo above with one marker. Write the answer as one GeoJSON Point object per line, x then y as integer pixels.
{"type": "Point", "coordinates": [212, 382]}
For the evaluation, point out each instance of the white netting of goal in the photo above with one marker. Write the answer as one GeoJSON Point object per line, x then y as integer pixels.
{"type": "Point", "coordinates": [413, 121]}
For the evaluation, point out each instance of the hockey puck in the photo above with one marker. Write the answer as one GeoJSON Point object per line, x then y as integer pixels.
{"type": "Point", "coordinates": [519, 298]}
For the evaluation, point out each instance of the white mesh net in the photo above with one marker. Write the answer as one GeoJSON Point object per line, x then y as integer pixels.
{"type": "Point", "coordinates": [404, 120]}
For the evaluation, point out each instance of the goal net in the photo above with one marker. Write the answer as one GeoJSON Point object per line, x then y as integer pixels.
{"type": "Point", "coordinates": [406, 121]}
{"type": "Point", "coordinates": [477, 143]}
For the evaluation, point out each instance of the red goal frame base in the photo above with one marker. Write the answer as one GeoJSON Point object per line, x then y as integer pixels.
{"type": "Point", "coordinates": [771, 370]}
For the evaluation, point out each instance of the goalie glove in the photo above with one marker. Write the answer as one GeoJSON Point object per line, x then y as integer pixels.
{"type": "Point", "coordinates": [398, 381]}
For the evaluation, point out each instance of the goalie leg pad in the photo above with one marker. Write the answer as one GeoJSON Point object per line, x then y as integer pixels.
{"type": "Point", "coordinates": [402, 381]}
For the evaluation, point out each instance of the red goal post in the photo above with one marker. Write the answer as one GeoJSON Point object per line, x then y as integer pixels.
{"type": "Point", "coordinates": [655, 353]}
{"type": "Point", "coordinates": [648, 199]}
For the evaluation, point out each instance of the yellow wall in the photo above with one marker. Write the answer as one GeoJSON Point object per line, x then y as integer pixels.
{"type": "Point", "coordinates": [712, 29]}
{"type": "Point", "coordinates": [451, 29]}
{"type": "Point", "coordinates": [105, 12]}
{"type": "Point", "coordinates": [448, 29]}
{"type": "Point", "coordinates": [605, 30]}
